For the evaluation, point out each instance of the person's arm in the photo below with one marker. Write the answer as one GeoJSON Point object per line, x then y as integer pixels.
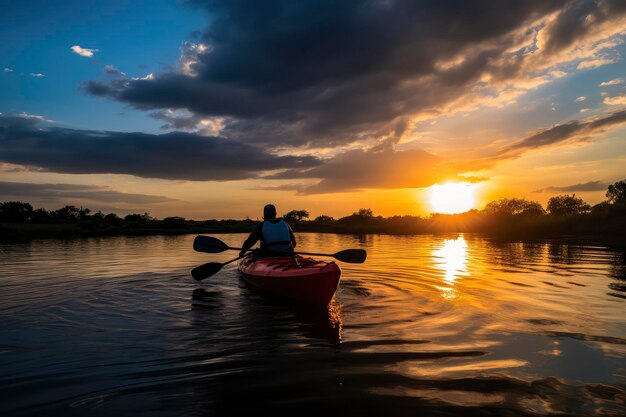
{"type": "Point", "coordinates": [254, 237]}
{"type": "Point", "coordinates": [292, 237]}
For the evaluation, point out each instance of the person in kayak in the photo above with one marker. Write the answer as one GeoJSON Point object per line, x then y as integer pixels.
{"type": "Point", "coordinates": [274, 234]}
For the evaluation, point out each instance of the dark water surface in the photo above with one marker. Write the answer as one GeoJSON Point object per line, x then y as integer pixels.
{"type": "Point", "coordinates": [430, 326]}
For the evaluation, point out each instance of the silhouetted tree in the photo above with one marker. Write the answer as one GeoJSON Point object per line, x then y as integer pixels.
{"type": "Point", "coordinates": [42, 216]}
{"type": "Point", "coordinates": [174, 221]}
{"type": "Point", "coordinates": [602, 207]}
{"type": "Point", "coordinates": [563, 205]}
{"type": "Point", "coordinates": [84, 213]}
{"type": "Point", "coordinates": [112, 218]}
{"type": "Point", "coordinates": [139, 218]}
{"type": "Point", "coordinates": [617, 192]}
{"type": "Point", "coordinates": [296, 216]}
{"type": "Point", "coordinates": [15, 212]}
{"type": "Point", "coordinates": [532, 208]}
{"type": "Point", "coordinates": [364, 212]}
{"type": "Point", "coordinates": [324, 219]}
{"type": "Point", "coordinates": [70, 214]}
{"type": "Point", "coordinates": [514, 206]}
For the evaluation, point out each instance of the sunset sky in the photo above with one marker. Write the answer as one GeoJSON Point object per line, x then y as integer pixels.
{"type": "Point", "coordinates": [211, 109]}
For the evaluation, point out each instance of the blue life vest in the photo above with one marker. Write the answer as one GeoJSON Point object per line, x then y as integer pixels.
{"type": "Point", "coordinates": [276, 235]}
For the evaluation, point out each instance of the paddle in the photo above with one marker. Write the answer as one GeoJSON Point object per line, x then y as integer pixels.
{"type": "Point", "coordinates": [210, 244]}
{"type": "Point", "coordinates": [204, 271]}
{"type": "Point", "coordinates": [213, 245]}
{"type": "Point", "coordinates": [352, 256]}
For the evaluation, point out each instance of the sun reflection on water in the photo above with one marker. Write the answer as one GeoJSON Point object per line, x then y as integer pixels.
{"type": "Point", "coordinates": [452, 259]}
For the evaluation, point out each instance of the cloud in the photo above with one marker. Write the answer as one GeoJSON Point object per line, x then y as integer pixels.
{"type": "Point", "coordinates": [8, 70]}
{"type": "Point", "coordinates": [185, 120]}
{"type": "Point", "coordinates": [190, 54]}
{"type": "Point", "coordinates": [359, 69]}
{"type": "Point", "coordinates": [12, 168]}
{"type": "Point", "coordinates": [614, 101]}
{"type": "Point", "coordinates": [585, 110]}
{"type": "Point", "coordinates": [616, 81]}
{"type": "Point", "coordinates": [358, 169]}
{"type": "Point", "coordinates": [37, 74]}
{"type": "Point", "coordinates": [86, 52]}
{"type": "Point", "coordinates": [175, 155]}
{"type": "Point", "coordinates": [581, 98]}
{"type": "Point", "coordinates": [587, 186]}
{"type": "Point", "coordinates": [352, 76]}
{"type": "Point", "coordinates": [188, 156]}
{"type": "Point", "coordinates": [113, 72]}
{"type": "Point", "coordinates": [32, 117]}
{"type": "Point", "coordinates": [145, 78]}
{"type": "Point", "coordinates": [577, 19]}
{"type": "Point", "coordinates": [177, 119]}
{"type": "Point", "coordinates": [573, 131]}
{"type": "Point", "coordinates": [64, 192]}
{"type": "Point", "coordinates": [595, 63]}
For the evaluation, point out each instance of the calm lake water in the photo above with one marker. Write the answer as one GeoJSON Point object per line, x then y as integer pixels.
{"type": "Point", "coordinates": [429, 325]}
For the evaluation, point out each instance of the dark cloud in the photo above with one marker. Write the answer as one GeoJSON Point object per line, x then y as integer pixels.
{"type": "Point", "coordinates": [556, 134]}
{"type": "Point", "coordinates": [327, 73]}
{"type": "Point", "coordinates": [587, 186]}
{"type": "Point", "coordinates": [578, 18]}
{"type": "Point", "coordinates": [176, 155]}
{"type": "Point", "coordinates": [574, 130]}
{"type": "Point", "coordinates": [64, 192]}
{"type": "Point", "coordinates": [194, 157]}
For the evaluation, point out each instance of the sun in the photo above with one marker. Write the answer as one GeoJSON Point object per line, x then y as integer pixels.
{"type": "Point", "coordinates": [452, 197]}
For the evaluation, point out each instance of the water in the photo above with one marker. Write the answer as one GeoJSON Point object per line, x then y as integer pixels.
{"type": "Point", "coordinates": [452, 325]}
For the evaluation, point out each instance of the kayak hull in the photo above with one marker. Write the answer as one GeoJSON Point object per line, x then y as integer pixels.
{"type": "Point", "coordinates": [299, 278]}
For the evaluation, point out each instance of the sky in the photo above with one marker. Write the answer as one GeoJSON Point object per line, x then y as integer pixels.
{"type": "Point", "coordinates": [211, 109]}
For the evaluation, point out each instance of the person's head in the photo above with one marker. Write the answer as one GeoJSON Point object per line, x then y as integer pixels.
{"type": "Point", "coordinates": [269, 212]}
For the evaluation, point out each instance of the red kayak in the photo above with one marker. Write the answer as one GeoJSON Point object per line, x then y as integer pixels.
{"type": "Point", "coordinates": [297, 277]}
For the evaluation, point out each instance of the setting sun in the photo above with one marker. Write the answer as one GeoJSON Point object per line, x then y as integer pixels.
{"type": "Point", "coordinates": [452, 197]}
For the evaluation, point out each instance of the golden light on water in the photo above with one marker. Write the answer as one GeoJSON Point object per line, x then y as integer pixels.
{"type": "Point", "coordinates": [452, 256]}
{"type": "Point", "coordinates": [452, 197]}
{"type": "Point", "coordinates": [452, 259]}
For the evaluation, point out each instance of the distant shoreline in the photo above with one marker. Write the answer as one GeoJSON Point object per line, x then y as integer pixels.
{"type": "Point", "coordinates": [16, 232]}
{"type": "Point", "coordinates": [507, 219]}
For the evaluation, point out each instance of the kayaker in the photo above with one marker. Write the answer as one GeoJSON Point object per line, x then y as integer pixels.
{"type": "Point", "coordinates": [274, 234]}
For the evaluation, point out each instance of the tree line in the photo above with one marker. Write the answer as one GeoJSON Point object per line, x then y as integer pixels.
{"type": "Point", "coordinates": [509, 217]}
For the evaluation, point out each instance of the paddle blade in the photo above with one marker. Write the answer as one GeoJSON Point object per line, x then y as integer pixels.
{"type": "Point", "coordinates": [209, 244]}
{"type": "Point", "coordinates": [353, 256]}
{"type": "Point", "coordinates": [204, 271]}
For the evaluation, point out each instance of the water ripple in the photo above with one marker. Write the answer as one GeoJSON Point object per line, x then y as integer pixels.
{"type": "Point", "coordinates": [433, 325]}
